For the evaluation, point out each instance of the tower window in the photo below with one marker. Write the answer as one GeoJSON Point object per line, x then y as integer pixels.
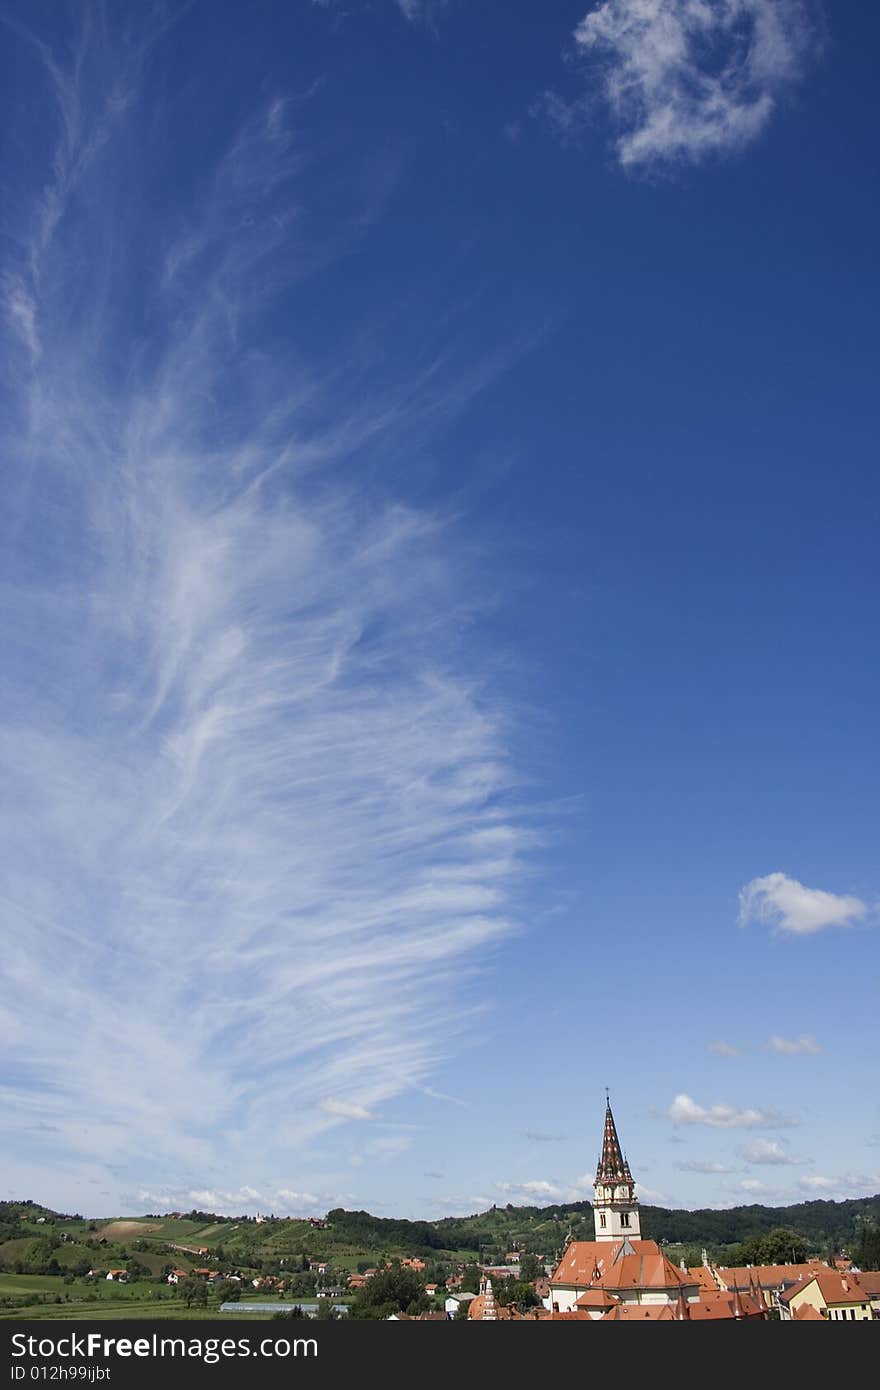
{"type": "Point", "coordinates": [602, 1219]}
{"type": "Point", "coordinates": [624, 1218]}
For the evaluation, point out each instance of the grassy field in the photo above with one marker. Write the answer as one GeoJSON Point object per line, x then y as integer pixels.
{"type": "Point", "coordinates": [38, 1295]}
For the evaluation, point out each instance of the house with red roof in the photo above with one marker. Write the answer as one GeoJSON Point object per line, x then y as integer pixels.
{"type": "Point", "coordinates": [835, 1296]}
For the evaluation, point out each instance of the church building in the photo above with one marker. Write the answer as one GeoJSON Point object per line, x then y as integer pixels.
{"type": "Point", "coordinates": [618, 1267]}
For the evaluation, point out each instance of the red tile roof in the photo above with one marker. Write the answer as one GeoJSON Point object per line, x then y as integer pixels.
{"type": "Point", "coordinates": [582, 1258]}
{"type": "Point", "coordinates": [712, 1307]}
{"type": "Point", "coordinates": [836, 1289]}
{"type": "Point", "coordinates": [640, 1312]}
{"type": "Point", "coordinates": [596, 1298]}
{"type": "Point", "coordinates": [644, 1271]}
{"type": "Point", "coordinates": [807, 1313]}
{"type": "Point", "coordinates": [766, 1276]}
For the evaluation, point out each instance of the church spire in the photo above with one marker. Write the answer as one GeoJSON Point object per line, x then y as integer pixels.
{"type": "Point", "coordinates": [612, 1166]}
{"type": "Point", "coordinates": [615, 1205]}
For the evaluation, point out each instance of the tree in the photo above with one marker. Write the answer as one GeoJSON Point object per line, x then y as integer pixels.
{"type": "Point", "coordinates": [195, 1293]}
{"type": "Point", "coordinates": [470, 1279]}
{"type": "Point", "coordinates": [514, 1291]}
{"type": "Point", "coordinates": [780, 1246]}
{"type": "Point", "coordinates": [529, 1268]}
{"type": "Point", "coordinates": [390, 1291]}
{"type": "Point", "coordinates": [867, 1253]}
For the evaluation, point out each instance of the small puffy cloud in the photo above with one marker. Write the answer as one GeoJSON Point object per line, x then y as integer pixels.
{"type": "Point", "coordinates": [686, 79]}
{"type": "Point", "coordinates": [724, 1049]}
{"type": "Point", "coordinates": [543, 1190]}
{"type": "Point", "coordinates": [792, 1046]}
{"type": "Point", "coordinates": [816, 1183]}
{"type": "Point", "coordinates": [768, 1151]}
{"type": "Point", "coordinates": [649, 1194]}
{"type": "Point", "coordinates": [530, 1191]}
{"type": "Point", "coordinates": [696, 1165]}
{"type": "Point", "coordinates": [346, 1110]}
{"type": "Point", "coordinates": [685, 1111]}
{"type": "Point", "coordinates": [754, 1185]}
{"type": "Point", "coordinates": [281, 1201]}
{"type": "Point", "coordinates": [792, 907]}
{"type": "Point", "coordinates": [848, 1185]}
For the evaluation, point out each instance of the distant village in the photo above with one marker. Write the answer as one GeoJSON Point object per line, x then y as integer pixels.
{"type": "Point", "coordinates": [619, 1276]}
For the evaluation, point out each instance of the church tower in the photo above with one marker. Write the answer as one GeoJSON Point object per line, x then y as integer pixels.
{"type": "Point", "coordinates": [615, 1205]}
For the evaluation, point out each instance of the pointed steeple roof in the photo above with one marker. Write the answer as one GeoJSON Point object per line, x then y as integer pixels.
{"type": "Point", "coordinates": [612, 1167]}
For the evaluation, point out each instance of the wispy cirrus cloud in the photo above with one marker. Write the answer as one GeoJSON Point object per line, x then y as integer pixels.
{"type": "Point", "coordinates": [686, 79]}
{"type": "Point", "coordinates": [793, 908]}
{"type": "Point", "coordinates": [345, 1110]}
{"type": "Point", "coordinates": [259, 800]}
{"type": "Point", "coordinates": [421, 9]}
{"type": "Point", "coordinates": [805, 1045]}
{"type": "Point", "coordinates": [724, 1049]}
{"type": "Point", "coordinates": [686, 1111]}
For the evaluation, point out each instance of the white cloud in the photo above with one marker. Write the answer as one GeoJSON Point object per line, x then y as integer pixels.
{"type": "Point", "coordinates": [244, 1201]}
{"type": "Point", "coordinates": [793, 908]}
{"type": "Point", "coordinates": [754, 1185]}
{"type": "Point", "coordinates": [346, 1110]}
{"type": "Point", "coordinates": [724, 1049]}
{"type": "Point", "coordinates": [538, 1188]}
{"type": "Point", "coordinates": [768, 1151]}
{"type": "Point", "coordinates": [685, 1111]}
{"type": "Point", "coordinates": [258, 795]}
{"type": "Point", "coordinates": [546, 1191]}
{"type": "Point", "coordinates": [805, 1044]}
{"type": "Point", "coordinates": [649, 1194]}
{"type": "Point", "coordinates": [838, 1189]}
{"type": "Point", "coordinates": [685, 79]}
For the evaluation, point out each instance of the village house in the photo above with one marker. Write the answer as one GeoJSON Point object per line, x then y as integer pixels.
{"type": "Point", "coordinates": [455, 1301]}
{"type": "Point", "coordinates": [769, 1282]}
{"type": "Point", "coordinates": [835, 1296]}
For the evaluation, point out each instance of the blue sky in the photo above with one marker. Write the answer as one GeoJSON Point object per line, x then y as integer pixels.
{"type": "Point", "coordinates": [439, 590]}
